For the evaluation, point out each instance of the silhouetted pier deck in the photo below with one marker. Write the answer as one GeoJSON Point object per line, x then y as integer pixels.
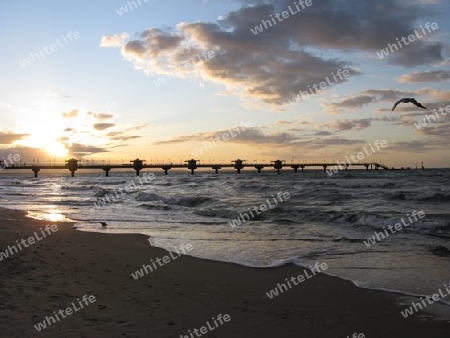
{"type": "Point", "coordinates": [137, 165]}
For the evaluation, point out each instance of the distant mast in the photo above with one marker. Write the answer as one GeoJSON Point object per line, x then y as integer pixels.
{"type": "Point", "coordinates": [423, 168]}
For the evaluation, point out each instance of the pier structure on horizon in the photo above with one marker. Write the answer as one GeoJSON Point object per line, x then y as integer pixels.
{"type": "Point", "coordinates": [137, 164]}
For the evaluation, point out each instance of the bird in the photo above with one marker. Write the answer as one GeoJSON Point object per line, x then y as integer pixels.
{"type": "Point", "coordinates": [408, 100]}
{"type": "Point", "coordinates": [103, 224]}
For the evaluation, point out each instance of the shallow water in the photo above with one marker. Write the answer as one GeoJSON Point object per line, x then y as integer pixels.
{"type": "Point", "coordinates": [324, 219]}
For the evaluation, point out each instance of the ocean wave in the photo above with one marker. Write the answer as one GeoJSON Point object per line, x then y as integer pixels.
{"type": "Point", "coordinates": [436, 197]}
{"type": "Point", "coordinates": [146, 196]}
{"type": "Point", "coordinates": [222, 213]}
{"type": "Point", "coordinates": [77, 187]}
{"type": "Point", "coordinates": [439, 250]}
{"type": "Point", "coordinates": [189, 201]}
{"type": "Point", "coordinates": [101, 192]}
{"type": "Point", "coordinates": [156, 206]}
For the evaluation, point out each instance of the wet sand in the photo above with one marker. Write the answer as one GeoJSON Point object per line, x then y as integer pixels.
{"type": "Point", "coordinates": [182, 295]}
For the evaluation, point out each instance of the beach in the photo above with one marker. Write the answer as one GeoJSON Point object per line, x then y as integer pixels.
{"type": "Point", "coordinates": [182, 295]}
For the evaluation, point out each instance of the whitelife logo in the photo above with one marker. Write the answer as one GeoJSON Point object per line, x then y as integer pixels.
{"type": "Point", "coordinates": [52, 319]}
{"type": "Point", "coordinates": [129, 7]}
{"type": "Point", "coordinates": [378, 236]}
{"type": "Point", "coordinates": [243, 126]}
{"type": "Point", "coordinates": [49, 49]}
{"type": "Point", "coordinates": [285, 14]}
{"type": "Point", "coordinates": [411, 38]}
{"type": "Point", "coordinates": [340, 75]}
{"type": "Point", "coordinates": [12, 249]}
{"type": "Point", "coordinates": [146, 269]}
{"type": "Point", "coordinates": [421, 305]}
{"type": "Point", "coordinates": [360, 156]}
{"type": "Point", "coordinates": [318, 268]}
{"type": "Point", "coordinates": [281, 197]}
{"type": "Point", "coordinates": [427, 119]}
{"type": "Point", "coordinates": [9, 161]}
{"type": "Point", "coordinates": [204, 330]}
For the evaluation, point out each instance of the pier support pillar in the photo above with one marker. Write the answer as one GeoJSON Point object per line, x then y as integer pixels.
{"type": "Point", "coordinates": [295, 167]}
{"type": "Point", "coordinates": [36, 170]}
{"type": "Point", "coordinates": [216, 168]}
{"type": "Point", "coordinates": [324, 168]}
{"type": "Point", "coordinates": [259, 168]}
{"type": "Point", "coordinates": [106, 170]}
{"type": "Point", "coordinates": [166, 169]}
{"type": "Point", "coordinates": [367, 167]}
{"type": "Point", "coordinates": [303, 168]}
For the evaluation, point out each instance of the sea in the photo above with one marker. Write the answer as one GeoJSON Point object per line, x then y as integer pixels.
{"type": "Point", "coordinates": [324, 219]}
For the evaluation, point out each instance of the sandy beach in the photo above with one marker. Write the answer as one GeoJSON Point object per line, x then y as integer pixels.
{"type": "Point", "coordinates": [175, 299]}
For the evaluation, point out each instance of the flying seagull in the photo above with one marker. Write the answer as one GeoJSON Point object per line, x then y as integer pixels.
{"type": "Point", "coordinates": [408, 100]}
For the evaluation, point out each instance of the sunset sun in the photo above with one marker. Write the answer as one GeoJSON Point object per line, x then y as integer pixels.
{"type": "Point", "coordinates": [56, 149]}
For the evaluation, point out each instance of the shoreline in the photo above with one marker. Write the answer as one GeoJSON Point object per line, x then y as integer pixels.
{"type": "Point", "coordinates": [180, 296]}
{"type": "Point", "coordinates": [444, 314]}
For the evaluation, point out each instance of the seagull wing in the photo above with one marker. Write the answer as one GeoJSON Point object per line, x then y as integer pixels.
{"type": "Point", "coordinates": [396, 104]}
{"type": "Point", "coordinates": [420, 105]}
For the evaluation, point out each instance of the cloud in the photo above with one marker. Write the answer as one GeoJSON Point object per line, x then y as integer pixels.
{"type": "Point", "coordinates": [353, 102]}
{"type": "Point", "coordinates": [9, 138]}
{"type": "Point", "coordinates": [320, 143]}
{"type": "Point", "coordinates": [137, 127]}
{"type": "Point", "coordinates": [116, 40]}
{"type": "Point", "coordinates": [417, 146]}
{"type": "Point", "coordinates": [101, 116]}
{"type": "Point", "coordinates": [274, 65]}
{"type": "Point", "coordinates": [103, 126]}
{"type": "Point", "coordinates": [416, 55]}
{"type": "Point", "coordinates": [349, 125]}
{"type": "Point", "coordinates": [71, 114]}
{"type": "Point", "coordinates": [428, 76]}
{"type": "Point", "coordinates": [78, 150]}
{"type": "Point", "coordinates": [323, 133]}
{"type": "Point", "coordinates": [251, 136]}
{"type": "Point", "coordinates": [124, 137]}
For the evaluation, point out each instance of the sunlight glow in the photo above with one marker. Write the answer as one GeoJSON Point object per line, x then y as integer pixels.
{"type": "Point", "coordinates": [56, 149]}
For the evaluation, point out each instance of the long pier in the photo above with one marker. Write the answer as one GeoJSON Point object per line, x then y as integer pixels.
{"type": "Point", "coordinates": [72, 165]}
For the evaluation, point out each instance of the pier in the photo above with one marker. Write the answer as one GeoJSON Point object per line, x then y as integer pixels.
{"type": "Point", "coordinates": [137, 165]}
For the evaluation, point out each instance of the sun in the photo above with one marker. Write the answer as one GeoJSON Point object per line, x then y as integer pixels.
{"type": "Point", "coordinates": [56, 149]}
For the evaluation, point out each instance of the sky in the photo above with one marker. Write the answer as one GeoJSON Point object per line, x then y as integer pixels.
{"type": "Point", "coordinates": [217, 80]}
